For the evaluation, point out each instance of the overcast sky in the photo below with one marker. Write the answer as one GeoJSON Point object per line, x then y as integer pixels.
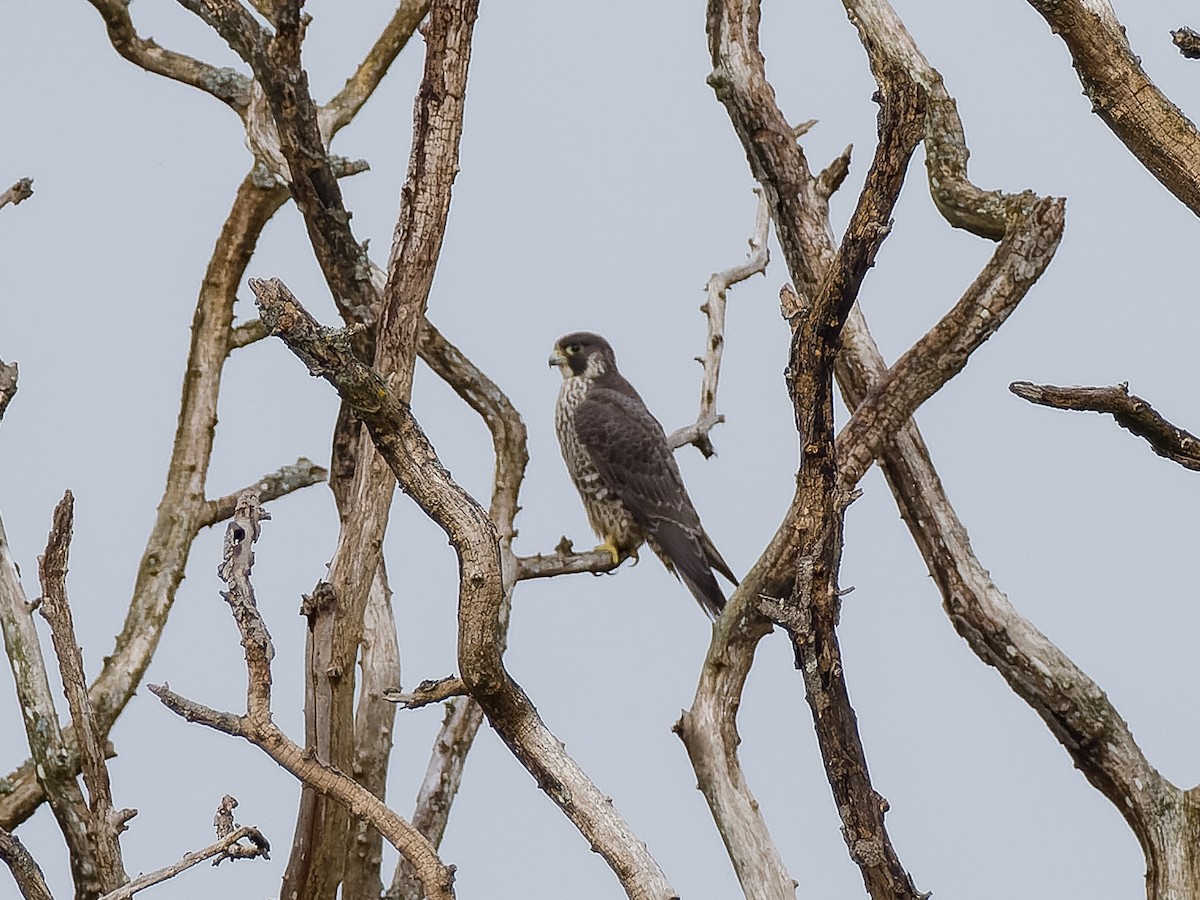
{"type": "Point", "coordinates": [600, 185]}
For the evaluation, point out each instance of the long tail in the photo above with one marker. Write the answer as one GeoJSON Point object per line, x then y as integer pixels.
{"type": "Point", "coordinates": [686, 554]}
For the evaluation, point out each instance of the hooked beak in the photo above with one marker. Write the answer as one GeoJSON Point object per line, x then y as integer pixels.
{"type": "Point", "coordinates": [557, 358]}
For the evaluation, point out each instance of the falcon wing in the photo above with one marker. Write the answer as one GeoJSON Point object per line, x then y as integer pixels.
{"type": "Point", "coordinates": [629, 449]}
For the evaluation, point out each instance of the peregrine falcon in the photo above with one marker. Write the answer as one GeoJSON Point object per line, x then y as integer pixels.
{"type": "Point", "coordinates": [623, 468]}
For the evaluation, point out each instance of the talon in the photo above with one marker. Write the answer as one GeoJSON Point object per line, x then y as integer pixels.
{"type": "Point", "coordinates": [611, 549]}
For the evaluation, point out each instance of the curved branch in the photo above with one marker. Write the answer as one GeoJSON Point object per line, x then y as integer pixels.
{"type": "Point", "coordinates": [230, 87]}
{"type": "Point", "coordinates": [1131, 412]}
{"type": "Point", "coordinates": [961, 203]}
{"type": "Point", "coordinates": [1018, 262]}
{"type": "Point", "coordinates": [1145, 120]}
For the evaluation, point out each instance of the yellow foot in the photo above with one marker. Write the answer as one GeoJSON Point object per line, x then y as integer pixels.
{"type": "Point", "coordinates": [610, 547]}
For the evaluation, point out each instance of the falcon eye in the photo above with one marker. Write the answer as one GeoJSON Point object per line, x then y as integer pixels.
{"type": "Point", "coordinates": [572, 349]}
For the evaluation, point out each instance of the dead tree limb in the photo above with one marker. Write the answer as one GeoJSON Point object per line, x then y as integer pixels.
{"type": "Point", "coordinates": [52, 758]}
{"type": "Point", "coordinates": [104, 821]}
{"type": "Point", "coordinates": [228, 86]}
{"type": "Point", "coordinates": [1130, 411]}
{"type": "Point", "coordinates": [25, 870]}
{"type": "Point", "coordinates": [811, 613]}
{"type": "Point", "coordinates": [1145, 120]}
{"type": "Point", "coordinates": [481, 587]}
{"type": "Point", "coordinates": [715, 290]}
{"type": "Point", "coordinates": [256, 724]}
{"type": "Point", "coordinates": [1031, 239]}
{"type": "Point", "coordinates": [229, 846]}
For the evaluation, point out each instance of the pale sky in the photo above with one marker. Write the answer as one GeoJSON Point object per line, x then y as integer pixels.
{"type": "Point", "coordinates": [600, 185]}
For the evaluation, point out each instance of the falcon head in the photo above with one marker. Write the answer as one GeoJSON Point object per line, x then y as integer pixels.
{"type": "Point", "coordinates": [582, 353]}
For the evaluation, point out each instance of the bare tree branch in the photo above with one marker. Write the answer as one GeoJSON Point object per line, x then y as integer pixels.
{"type": "Point", "coordinates": [257, 726]}
{"type": "Point", "coordinates": [105, 822]}
{"type": "Point", "coordinates": [247, 333]}
{"type": "Point", "coordinates": [1131, 412]}
{"type": "Point", "coordinates": [565, 562]}
{"type": "Point", "coordinates": [374, 717]}
{"type": "Point", "coordinates": [52, 759]}
{"type": "Point", "coordinates": [443, 776]}
{"type": "Point", "coordinates": [19, 191]}
{"type": "Point", "coordinates": [714, 311]}
{"type": "Point", "coordinates": [275, 60]}
{"type": "Point", "coordinates": [481, 587]}
{"type": "Point", "coordinates": [428, 691]}
{"type": "Point", "coordinates": [182, 508]}
{"type": "Point", "coordinates": [344, 106]}
{"type": "Point", "coordinates": [230, 87]}
{"type": "Point", "coordinates": [25, 870]}
{"type": "Point", "coordinates": [1022, 256]}
{"type": "Point", "coordinates": [229, 846]}
{"type": "Point", "coordinates": [812, 612]}
{"type": "Point", "coordinates": [283, 481]}
{"type": "Point", "coordinates": [1145, 120]}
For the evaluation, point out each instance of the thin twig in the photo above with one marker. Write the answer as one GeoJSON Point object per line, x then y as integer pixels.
{"type": "Point", "coordinates": [228, 847]}
{"type": "Point", "coordinates": [714, 311]}
{"type": "Point", "coordinates": [283, 481]}
{"type": "Point", "coordinates": [427, 692]}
